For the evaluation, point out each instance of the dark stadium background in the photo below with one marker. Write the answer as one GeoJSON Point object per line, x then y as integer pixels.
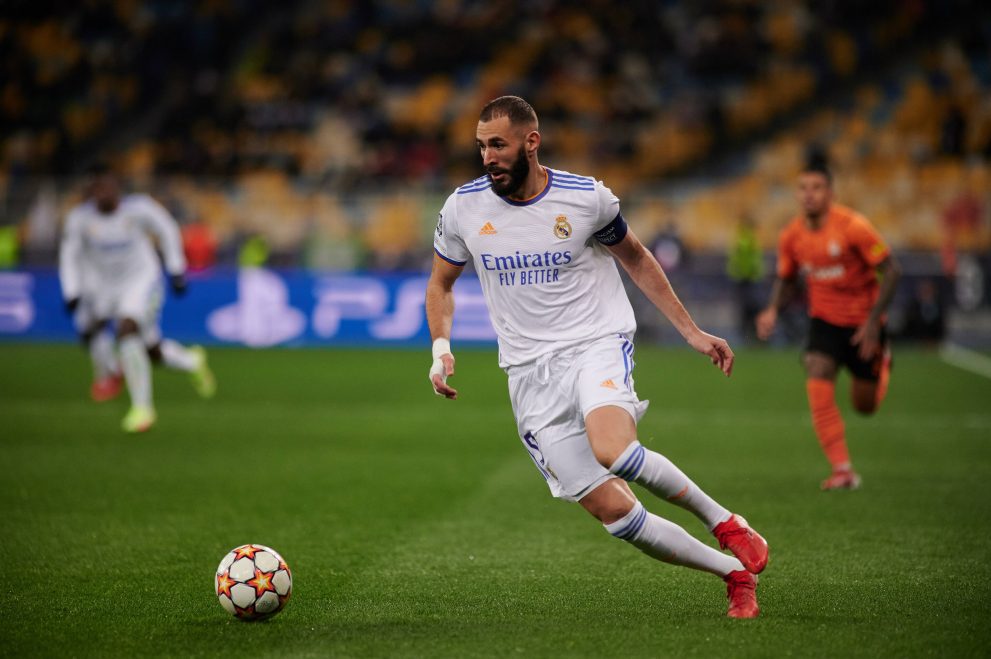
{"type": "Point", "coordinates": [323, 136]}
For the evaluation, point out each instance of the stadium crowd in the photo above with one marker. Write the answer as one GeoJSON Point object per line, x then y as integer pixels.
{"type": "Point", "coordinates": [332, 129]}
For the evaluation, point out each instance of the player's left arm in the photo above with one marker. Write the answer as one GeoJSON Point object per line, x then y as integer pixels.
{"type": "Point", "coordinates": [868, 336]}
{"type": "Point", "coordinates": [649, 276]}
{"type": "Point", "coordinates": [871, 246]}
{"type": "Point", "coordinates": [166, 230]}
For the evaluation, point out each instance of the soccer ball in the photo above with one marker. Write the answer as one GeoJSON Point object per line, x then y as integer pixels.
{"type": "Point", "coordinates": [253, 582]}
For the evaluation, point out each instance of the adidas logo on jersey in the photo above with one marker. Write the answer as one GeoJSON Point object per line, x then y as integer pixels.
{"type": "Point", "coordinates": [487, 230]}
{"type": "Point", "coordinates": [608, 384]}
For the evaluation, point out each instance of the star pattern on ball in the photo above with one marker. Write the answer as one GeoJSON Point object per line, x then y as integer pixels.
{"type": "Point", "coordinates": [247, 612]}
{"type": "Point", "coordinates": [248, 551]}
{"type": "Point", "coordinates": [262, 583]}
{"type": "Point", "coordinates": [224, 583]}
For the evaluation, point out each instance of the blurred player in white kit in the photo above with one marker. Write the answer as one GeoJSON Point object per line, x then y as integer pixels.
{"type": "Point", "coordinates": [111, 274]}
{"type": "Point", "coordinates": [545, 244]}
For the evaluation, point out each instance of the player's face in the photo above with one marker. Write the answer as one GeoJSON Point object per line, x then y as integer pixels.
{"type": "Point", "coordinates": [503, 155]}
{"type": "Point", "coordinates": [105, 192]}
{"type": "Point", "coordinates": [814, 193]}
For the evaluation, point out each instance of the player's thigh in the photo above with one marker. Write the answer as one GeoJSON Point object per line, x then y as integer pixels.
{"type": "Point", "coordinates": [610, 430]}
{"type": "Point", "coordinates": [141, 301]}
{"type": "Point", "coordinates": [826, 349]}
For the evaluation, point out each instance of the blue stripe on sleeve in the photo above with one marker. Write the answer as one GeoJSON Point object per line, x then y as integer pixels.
{"type": "Point", "coordinates": [449, 260]}
{"type": "Point", "coordinates": [588, 188]}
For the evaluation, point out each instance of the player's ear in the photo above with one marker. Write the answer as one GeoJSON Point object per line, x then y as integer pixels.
{"type": "Point", "coordinates": [532, 142]}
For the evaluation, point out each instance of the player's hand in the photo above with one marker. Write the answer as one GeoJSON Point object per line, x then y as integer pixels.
{"type": "Point", "coordinates": [715, 348]}
{"type": "Point", "coordinates": [766, 320]}
{"type": "Point", "coordinates": [178, 284]}
{"type": "Point", "coordinates": [71, 304]}
{"type": "Point", "coordinates": [867, 338]}
{"type": "Point", "coordinates": [442, 368]}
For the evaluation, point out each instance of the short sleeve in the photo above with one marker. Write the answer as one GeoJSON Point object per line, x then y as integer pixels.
{"type": "Point", "coordinates": [867, 241]}
{"type": "Point", "coordinates": [787, 265]}
{"type": "Point", "coordinates": [448, 242]}
{"type": "Point", "coordinates": [608, 206]}
{"type": "Point", "coordinates": [610, 227]}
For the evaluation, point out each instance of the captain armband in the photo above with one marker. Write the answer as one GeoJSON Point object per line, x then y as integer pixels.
{"type": "Point", "coordinates": [614, 232]}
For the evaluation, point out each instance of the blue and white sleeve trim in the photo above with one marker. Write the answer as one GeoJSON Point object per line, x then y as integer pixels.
{"type": "Point", "coordinates": [448, 259]}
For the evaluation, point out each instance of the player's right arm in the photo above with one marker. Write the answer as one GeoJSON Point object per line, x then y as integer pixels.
{"type": "Point", "coordinates": [440, 317]}
{"type": "Point", "coordinates": [70, 264]}
{"type": "Point", "coordinates": [781, 291]}
{"type": "Point", "coordinates": [450, 256]}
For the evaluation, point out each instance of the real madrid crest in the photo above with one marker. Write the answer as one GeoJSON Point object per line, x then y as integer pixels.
{"type": "Point", "coordinates": [562, 229]}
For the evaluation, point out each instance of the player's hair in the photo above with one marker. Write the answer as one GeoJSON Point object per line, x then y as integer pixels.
{"type": "Point", "coordinates": [100, 168]}
{"type": "Point", "coordinates": [514, 107]}
{"type": "Point", "coordinates": [817, 163]}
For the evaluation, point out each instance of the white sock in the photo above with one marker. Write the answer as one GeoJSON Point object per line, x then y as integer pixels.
{"type": "Point", "coordinates": [137, 370]}
{"type": "Point", "coordinates": [101, 351]}
{"type": "Point", "coordinates": [668, 542]}
{"type": "Point", "coordinates": [177, 356]}
{"type": "Point", "coordinates": [662, 478]}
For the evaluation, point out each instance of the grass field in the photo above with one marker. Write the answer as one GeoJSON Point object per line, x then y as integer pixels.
{"type": "Point", "coordinates": [419, 527]}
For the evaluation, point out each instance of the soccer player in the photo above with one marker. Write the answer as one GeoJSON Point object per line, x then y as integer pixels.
{"type": "Point", "coordinates": [110, 272]}
{"type": "Point", "coordinates": [544, 243]}
{"type": "Point", "coordinates": [842, 258]}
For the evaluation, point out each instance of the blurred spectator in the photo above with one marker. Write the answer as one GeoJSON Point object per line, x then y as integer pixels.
{"type": "Point", "coordinates": [254, 253]}
{"type": "Point", "coordinates": [9, 244]}
{"type": "Point", "coordinates": [925, 318]}
{"type": "Point", "coordinates": [200, 246]}
{"type": "Point", "coordinates": [669, 249]}
{"type": "Point", "coordinates": [745, 266]}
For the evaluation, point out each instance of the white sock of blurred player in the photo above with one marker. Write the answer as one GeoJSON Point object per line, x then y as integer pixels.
{"type": "Point", "coordinates": [177, 356]}
{"type": "Point", "coordinates": [137, 369]}
{"type": "Point", "coordinates": [101, 352]}
{"type": "Point", "coordinates": [670, 543]}
{"type": "Point", "coordinates": [663, 479]}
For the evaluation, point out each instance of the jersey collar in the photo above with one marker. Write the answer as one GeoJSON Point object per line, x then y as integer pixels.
{"type": "Point", "coordinates": [537, 197]}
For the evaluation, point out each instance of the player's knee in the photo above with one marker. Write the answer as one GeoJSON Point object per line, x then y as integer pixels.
{"type": "Point", "coordinates": [155, 353]}
{"type": "Point", "coordinates": [864, 397]}
{"type": "Point", "coordinates": [126, 327]}
{"type": "Point", "coordinates": [865, 406]}
{"type": "Point", "coordinates": [610, 502]}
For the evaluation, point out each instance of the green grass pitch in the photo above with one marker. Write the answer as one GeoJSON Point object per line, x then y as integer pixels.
{"type": "Point", "coordinates": [419, 527]}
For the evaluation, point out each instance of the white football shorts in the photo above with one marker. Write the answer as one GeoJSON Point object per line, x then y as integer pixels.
{"type": "Point", "coordinates": [551, 398]}
{"type": "Point", "coordinates": [139, 299]}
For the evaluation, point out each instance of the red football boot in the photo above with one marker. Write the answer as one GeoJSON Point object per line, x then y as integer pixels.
{"type": "Point", "coordinates": [842, 479]}
{"type": "Point", "coordinates": [741, 587]}
{"type": "Point", "coordinates": [106, 388]}
{"type": "Point", "coordinates": [745, 543]}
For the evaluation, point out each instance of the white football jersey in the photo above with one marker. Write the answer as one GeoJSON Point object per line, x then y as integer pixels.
{"type": "Point", "coordinates": [547, 279]}
{"type": "Point", "coordinates": [101, 251]}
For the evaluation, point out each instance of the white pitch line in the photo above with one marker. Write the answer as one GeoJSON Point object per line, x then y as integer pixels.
{"type": "Point", "coordinates": [965, 359]}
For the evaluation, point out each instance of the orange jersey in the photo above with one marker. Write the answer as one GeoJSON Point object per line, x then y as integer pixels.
{"type": "Point", "coordinates": [838, 261]}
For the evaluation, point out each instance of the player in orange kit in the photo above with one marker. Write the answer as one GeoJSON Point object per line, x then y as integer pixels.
{"type": "Point", "coordinates": [851, 276]}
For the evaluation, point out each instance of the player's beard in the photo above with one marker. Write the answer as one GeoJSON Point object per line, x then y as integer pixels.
{"type": "Point", "coordinates": [517, 174]}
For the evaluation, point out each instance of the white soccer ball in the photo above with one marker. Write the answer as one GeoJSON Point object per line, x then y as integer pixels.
{"type": "Point", "coordinates": [253, 582]}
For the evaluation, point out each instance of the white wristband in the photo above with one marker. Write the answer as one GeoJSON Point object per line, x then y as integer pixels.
{"type": "Point", "coordinates": [441, 347]}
